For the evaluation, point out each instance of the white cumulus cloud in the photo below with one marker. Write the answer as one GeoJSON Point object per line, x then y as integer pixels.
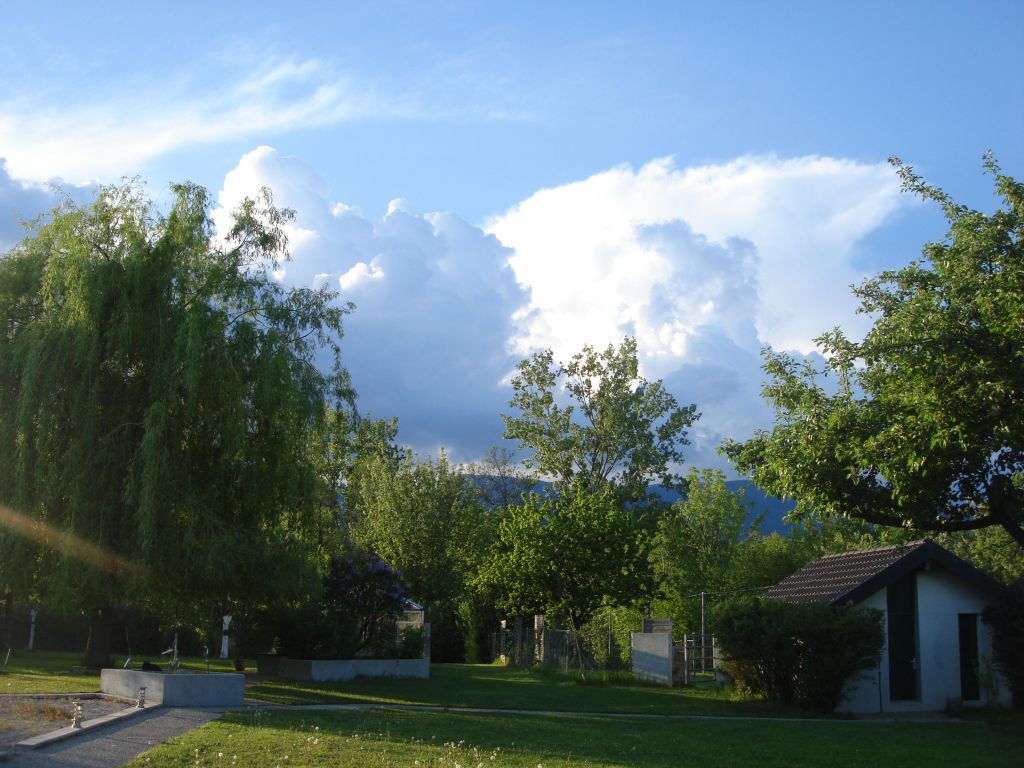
{"type": "Point", "coordinates": [702, 265]}
{"type": "Point", "coordinates": [434, 297]}
{"type": "Point", "coordinates": [591, 254]}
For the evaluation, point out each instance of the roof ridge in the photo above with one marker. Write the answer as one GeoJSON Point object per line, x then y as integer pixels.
{"type": "Point", "coordinates": [907, 546]}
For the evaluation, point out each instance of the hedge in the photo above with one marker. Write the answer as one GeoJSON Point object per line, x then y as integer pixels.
{"type": "Point", "coordinates": [796, 653]}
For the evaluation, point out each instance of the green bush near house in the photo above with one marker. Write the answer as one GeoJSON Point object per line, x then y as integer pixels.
{"type": "Point", "coordinates": [1006, 617]}
{"type": "Point", "coordinates": [796, 653]}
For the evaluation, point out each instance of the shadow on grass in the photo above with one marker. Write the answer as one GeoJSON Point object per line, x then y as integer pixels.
{"type": "Point", "coordinates": [431, 738]}
{"type": "Point", "coordinates": [496, 687]}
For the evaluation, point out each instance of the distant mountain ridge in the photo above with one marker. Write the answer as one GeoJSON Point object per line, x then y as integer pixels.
{"type": "Point", "coordinates": [772, 508]}
{"type": "Point", "coordinates": [758, 502]}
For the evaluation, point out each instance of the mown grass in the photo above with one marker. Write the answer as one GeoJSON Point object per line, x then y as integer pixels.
{"type": "Point", "coordinates": [494, 686]}
{"type": "Point", "coordinates": [51, 672]}
{"type": "Point", "coordinates": [414, 738]}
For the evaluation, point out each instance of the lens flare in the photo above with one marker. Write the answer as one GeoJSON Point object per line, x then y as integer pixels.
{"type": "Point", "coordinates": [67, 543]}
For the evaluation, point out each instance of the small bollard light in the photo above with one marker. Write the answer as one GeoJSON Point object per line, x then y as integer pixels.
{"type": "Point", "coordinates": [76, 719]}
{"type": "Point", "coordinates": [142, 696]}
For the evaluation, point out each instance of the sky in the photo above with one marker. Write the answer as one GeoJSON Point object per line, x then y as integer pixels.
{"type": "Point", "coordinates": [486, 180]}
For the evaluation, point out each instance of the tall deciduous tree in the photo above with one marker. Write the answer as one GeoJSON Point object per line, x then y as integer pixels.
{"type": "Point", "coordinates": [619, 429]}
{"type": "Point", "coordinates": [925, 425]}
{"type": "Point", "coordinates": [425, 519]}
{"type": "Point", "coordinates": [569, 554]}
{"type": "Point", "coordinates": [707, 549]}
{"type": "Point", "coordinates": [697, 540]}
{"type": "Point", "coordinates": [156, 390]}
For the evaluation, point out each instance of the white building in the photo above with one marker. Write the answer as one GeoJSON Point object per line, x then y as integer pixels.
{"type": "Point", "coordinates": [937, 650]}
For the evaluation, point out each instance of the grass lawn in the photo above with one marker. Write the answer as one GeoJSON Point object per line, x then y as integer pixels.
{"type": "Point", "coordinates": [303, 737]}
{"type": "Point", "coordinates": [46, 672]}
{"type": "Point", "coordinates": [410, 738]}
{"type": "Point", "coordinates": [494, 686]}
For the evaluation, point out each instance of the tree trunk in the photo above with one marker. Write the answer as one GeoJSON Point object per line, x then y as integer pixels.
{"type": "Point", "coordinates": [101, 639]}
{"type": "Point", "coordinates": [5, 626]}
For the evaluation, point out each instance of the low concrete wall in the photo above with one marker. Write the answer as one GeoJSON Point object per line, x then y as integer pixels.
{"type": "Point", "coordinates": [176, 689]}
{"type": "Point", "coordinates": [268, 664]}
{"type": "Point", "coordinates": [326, 670]}
{"type": "Point", "coordinates": [651, 654]}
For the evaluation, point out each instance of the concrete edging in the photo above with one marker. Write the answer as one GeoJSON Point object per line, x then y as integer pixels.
{"type": "Point", "coordinates": [50, 737]}
{"type": "Point", "coordinates": [323, 670]}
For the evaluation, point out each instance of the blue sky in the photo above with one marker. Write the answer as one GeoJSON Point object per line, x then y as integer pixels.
{"type": "Point", "coordinates": [487, 179]}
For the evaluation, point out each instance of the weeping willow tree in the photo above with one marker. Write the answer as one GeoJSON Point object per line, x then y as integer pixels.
{"type": "Point", "coordinates": [157, 387]}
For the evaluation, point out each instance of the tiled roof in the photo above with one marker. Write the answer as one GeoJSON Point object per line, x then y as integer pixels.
{"type": "Point", "coordinates": [828, 579]}
{"type": "Point", "coordinates": [850, 577]}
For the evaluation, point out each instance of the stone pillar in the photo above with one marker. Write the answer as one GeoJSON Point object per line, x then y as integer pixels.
{"type": "Point", "coordinates": [226, 620]}
{"type": "Point", "coordinates": [32, 629]}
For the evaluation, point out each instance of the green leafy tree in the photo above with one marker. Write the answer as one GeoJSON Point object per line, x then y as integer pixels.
{"type": "Point", "coordinates": [990, 550]}
{"type": "Point", "coordinates": [762, 560]}
{"type": "Point", "coordinates": [342, 447]}
{"type": "Point", "coordinates": [696, 542]}
{"type": "Point", "coordinates": [708, 549]}
{"type": "Point", "coordinates": [156, 391]}
{"type": "Point", "coordinates": [924, 425]}
{"type": "Point", "coordinates": [569, 554]}
{"type": "Point", "coordinates": [620, 429]}
{"type": "Point", "coordinates": [425, 519]}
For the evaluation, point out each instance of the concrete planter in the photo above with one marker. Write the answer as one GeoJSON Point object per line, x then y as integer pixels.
{"type": "Point", "coordinates": [268, 664]}
{"type": "Point", "coordinates": [324, 670]}
{"type": "Point", "coordinates": [176, 689]}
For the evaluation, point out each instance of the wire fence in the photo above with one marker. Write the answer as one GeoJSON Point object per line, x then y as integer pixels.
{"type": "Point", "coordinates": [695, 654]}
{"type": "Point", "coordinates": [558, 649]}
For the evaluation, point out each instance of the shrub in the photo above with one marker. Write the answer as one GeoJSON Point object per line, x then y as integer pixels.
{"type": "Point", "coordinates": [447, 634]}
{"type": "Point", "coordinates": [410, 643]}
{"type": "Point", "coordinates": [362, 599]}
{"type": "Point", "coordinates": [355, 615]}
{"type": "Point", "coordinates": [1006, 617]}
{"type": "Point", "coordinates": [796, 653]}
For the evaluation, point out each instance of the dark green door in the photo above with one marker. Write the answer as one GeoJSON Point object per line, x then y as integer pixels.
{"type": "Point", "coordinates": [902, 608]}
{"type": "Point", "coordinates": [970, 687]}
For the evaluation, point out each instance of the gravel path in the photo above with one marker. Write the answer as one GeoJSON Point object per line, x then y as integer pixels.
{"type": "Point", "coordinates": [115, 744]}
{"type": "Point", "coordinates": [30, 714]}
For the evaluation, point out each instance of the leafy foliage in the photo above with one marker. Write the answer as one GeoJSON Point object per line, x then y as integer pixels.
{"type": "Point", "coordinates": [797, 653]}
{"type": "Point", "coordinates": [621, 430]}
{"type": "Point", "coordinates": [696, 541]}
{"type": "Point", "coordinates": [363, 596]}
{"type": "Point", "coordinates": [990, 550]}
{"type": "Point", "coordinates": [925, 427]}
{"type": "Point", "coordinates": [156, 391]}
{"type": "Point", "coordinates": [1006, 617]}
{"type": "Point", "coordinates": [425, 519]}
{"type": "Point", "coordinates": [568, 555]}
{"type": "Point", "coordinates": [354, 615]}
{"type": "Point", "coordinates": [704, 544]}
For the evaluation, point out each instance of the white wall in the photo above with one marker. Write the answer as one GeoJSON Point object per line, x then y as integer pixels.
{"type": "Point", "coordinates": [863, 693]}
{"type": "Point", "coordinates": [941, 597]}
{"type": "Point", "coordinates": [651, 656]}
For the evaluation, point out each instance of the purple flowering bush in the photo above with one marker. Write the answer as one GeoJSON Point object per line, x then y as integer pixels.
{"type": "Point", "coordinates": [363, 597]}
{"type": "Point", "coordinates": [356, 614]}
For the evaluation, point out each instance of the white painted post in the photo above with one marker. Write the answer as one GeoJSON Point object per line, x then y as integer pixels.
{"type": "Point", "coordinates": [32, 629]}
{"type": "Point", "coordinates": [703, 633]}
{"type": "Point", "coordinates": [224, 638]}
